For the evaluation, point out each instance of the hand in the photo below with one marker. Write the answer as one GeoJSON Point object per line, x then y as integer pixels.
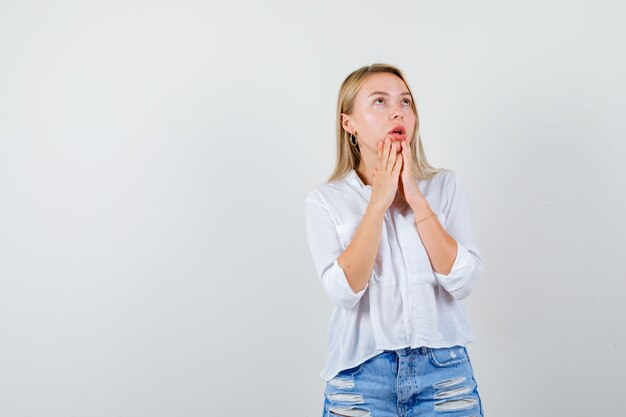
{"type": "Point", "coordinates": [411, 191]}
{"type": "Point", "coordinates": [386, 174]}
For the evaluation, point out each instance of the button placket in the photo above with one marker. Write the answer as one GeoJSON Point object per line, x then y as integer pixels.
{"type": "Point", "coordinates": [396, 219]}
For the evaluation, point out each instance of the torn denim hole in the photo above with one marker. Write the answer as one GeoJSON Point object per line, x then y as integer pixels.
{"type": "Point", "coordinates": [449, 382]}
{"type": "Point", "coordinates": [454, 355]}
{"type": "Point", "coordinates": [342, 382]}
{"type": "Point", "coordinates": [350, 412]}
{"type": "Point", "coordinates": [452, 393]}
{"type": "Point", "coordinates": [346, 398]}
{"type": "Point", "coordinates": [455, 404]}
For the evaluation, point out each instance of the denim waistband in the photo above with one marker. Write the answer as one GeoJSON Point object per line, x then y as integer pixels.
{"type": "Point", "coordinates": [422, 350]}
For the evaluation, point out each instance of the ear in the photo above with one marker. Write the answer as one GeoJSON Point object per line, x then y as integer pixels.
{"type": "Point", "coordinates": [346, 123]}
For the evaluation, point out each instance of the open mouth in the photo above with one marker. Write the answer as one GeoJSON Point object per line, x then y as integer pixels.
{"type": "Point", "coordinates": [398, 132]}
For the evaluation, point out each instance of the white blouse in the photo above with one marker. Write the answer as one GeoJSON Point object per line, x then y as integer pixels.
{"type": "Point", "coordinates": [405, 303]}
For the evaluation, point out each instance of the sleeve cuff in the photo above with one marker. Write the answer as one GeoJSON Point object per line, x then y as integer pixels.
{"type": "Point", "coordinates": [462, 269]}
{"type": "Point", "coordinates": [340, 290]}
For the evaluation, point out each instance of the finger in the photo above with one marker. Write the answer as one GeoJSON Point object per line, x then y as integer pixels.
{"type": "Point", "coordinates": [386, 154]}
{"type": "Point", "coordinates": [407, 155]}
{"type": "Point", "coordinates": [392, 158]}
{"type": "Point", "coordinates": [380, 154]}
{"type": "Point", "coordinates": [399, 151]}
{"type": "Point", "coordinates": [404, 153]}
{"type": "Point", "coordinates": [397, 167]}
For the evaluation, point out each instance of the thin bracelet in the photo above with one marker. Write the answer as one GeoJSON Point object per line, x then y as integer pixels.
{"type": "Point", "coordinates": [430, 215]}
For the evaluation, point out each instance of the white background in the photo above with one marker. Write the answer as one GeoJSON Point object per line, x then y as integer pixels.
{"type": "Point", "coordinates": [155, 155]}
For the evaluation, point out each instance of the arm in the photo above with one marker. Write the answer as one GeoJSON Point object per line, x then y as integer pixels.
{"type": "Point", "coordinates": [454, 255]}
{"type": "Point", "coordinates": [344, 274]}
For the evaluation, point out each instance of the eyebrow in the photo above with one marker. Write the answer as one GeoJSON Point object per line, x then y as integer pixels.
{"type": "Point", "coordinates": [384, 93]}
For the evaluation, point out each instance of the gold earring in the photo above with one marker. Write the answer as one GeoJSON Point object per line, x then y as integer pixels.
{"type": "Point", "coordinates": [353, 139]}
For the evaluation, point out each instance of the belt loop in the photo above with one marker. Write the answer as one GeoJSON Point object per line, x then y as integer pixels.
{"type": "Point", "coordinates": [424, 350]}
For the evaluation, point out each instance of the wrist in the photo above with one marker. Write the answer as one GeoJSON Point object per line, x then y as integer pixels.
{"type": "Point", "coordinates": [376, 209]}
{"type": "Point", "coordinates": [421, 208]}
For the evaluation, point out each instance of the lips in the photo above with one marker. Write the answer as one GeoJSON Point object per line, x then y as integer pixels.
{"type": "Point", "coordinates": [398, 129]}
{"type": "Point", "coordinates": [398, 132]}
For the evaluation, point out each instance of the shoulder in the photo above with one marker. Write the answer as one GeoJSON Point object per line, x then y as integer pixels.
{"type": "Point", "coordinates": [325, 192]}
{"type": "Point", "coordinates": [444, 180]}
{"type": "Point", "coordinates": [450, 179]}
{"type": "Point", "coordinates": [448, 184]}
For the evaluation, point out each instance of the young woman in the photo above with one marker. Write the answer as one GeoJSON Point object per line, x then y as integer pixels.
{"type": "Point", "coordinates": [393, 245]}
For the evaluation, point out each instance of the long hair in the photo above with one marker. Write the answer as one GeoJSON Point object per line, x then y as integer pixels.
{"type": "Point", "coordinates": [348, 156]}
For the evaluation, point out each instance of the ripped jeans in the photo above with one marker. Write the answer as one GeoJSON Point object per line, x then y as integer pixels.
{"type": "Point", "coordinates": [422, 382]}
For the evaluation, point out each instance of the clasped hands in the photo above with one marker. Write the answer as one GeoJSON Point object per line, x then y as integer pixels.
{"type": "Point", "coordinates": [393, 172]}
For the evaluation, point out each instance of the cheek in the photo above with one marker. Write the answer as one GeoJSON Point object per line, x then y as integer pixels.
{"type": "Point", "coordinates": [371, 119]}
{"type": "Point", "coordinates": [374, 124]}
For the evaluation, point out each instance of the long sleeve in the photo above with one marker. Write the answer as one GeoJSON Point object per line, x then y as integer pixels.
{"type": "Point", "coordinates": [325, 248]}
{"type": "Point", "coordinates": [468, 264]}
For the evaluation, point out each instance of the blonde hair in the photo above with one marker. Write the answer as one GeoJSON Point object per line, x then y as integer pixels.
{"type": "Point", "coordinates": [348, 157]}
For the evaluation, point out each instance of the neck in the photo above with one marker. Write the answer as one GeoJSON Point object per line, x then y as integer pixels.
{"type": "Point", "coordinates": [366, 168]}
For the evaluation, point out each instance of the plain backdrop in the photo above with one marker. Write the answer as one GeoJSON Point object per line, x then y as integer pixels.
{"type": "Point", "coordinates": [155, 156]}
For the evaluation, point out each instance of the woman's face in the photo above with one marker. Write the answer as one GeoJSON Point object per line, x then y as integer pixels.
{"type": "Point", "coordinates": [382, 104]}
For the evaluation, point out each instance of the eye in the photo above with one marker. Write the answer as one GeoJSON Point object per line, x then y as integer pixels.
{"type": "Point", "coordinates": [379, 98]}
{"type": "Point", "coordinates": [408, 102]}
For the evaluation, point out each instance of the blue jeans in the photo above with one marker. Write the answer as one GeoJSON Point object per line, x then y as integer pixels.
{"type": "Point", "coordinates": [422, 382]}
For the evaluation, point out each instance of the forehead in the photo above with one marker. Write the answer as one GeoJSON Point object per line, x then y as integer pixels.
{"type": "Point", "coordinates": [383, 81]}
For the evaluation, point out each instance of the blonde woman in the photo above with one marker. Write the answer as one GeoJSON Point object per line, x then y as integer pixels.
{"type": "Point", "coordinates": [393, 245]}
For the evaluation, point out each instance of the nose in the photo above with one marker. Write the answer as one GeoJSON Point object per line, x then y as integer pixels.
{"type": "Point", "coordinates": [397, 112]}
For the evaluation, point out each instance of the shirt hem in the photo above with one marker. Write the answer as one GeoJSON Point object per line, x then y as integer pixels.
{"type": "Point", "coordinates": [328, 374]}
